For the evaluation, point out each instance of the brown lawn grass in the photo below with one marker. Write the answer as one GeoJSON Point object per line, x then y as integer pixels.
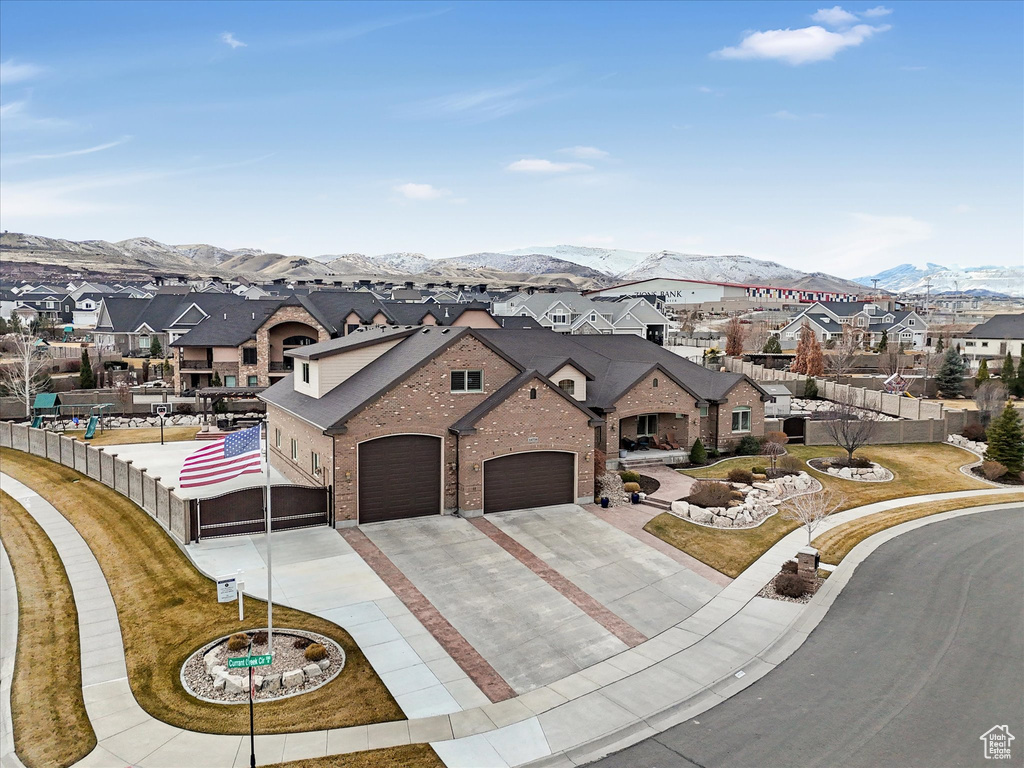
{"type": "Point", "coordinates": [51, 727]}
{"type": "Point", "coordinates": [918, 468]}
{"type": "Point", "coordinates": [837, 543]}
{"type": "Point", "coordinates": [412, 756]}
{"type": "Point", "coordinates": [167, 609]}
{"type": "Point", "coordinates": [141, 435]}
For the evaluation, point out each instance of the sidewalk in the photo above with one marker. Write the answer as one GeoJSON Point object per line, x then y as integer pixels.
{"type": "Point", "coordinates": [730, 642]}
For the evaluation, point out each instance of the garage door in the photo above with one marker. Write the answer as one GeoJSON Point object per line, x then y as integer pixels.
{"type": "Point", "coordinates": [399, 477]}
{"type": "Point", "coordinates": [534, 479]}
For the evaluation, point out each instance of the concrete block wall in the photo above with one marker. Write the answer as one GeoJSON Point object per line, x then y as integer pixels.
{"type": "Point", "coordinates": [81, 451]}
{"type": "Point", "coordinates": [180, 520]}
{"type": "Point", "coordinates": [52, 440]}
{"type": "Point", "coordinates": [121, 476]}
{"type": "Point", "coordinates": [107, 469]}
{"type": "Point", "coordinates": [163, 505]}
{"type": "Point", "coordinates": [149, 494]}
{"type": "Point", "coordinates": [92, 461]}
{"type": "Point", "coordinates": [67, 451]}
{"type": "Point", "coordinates": [37, 442]}
{"type": "Point", "coordinates": [135, 485]}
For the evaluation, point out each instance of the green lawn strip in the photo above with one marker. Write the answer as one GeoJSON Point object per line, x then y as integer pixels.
{"type": "Point", "coordinates": [140, 435]}
{"type": "Point", "coordinates": [167, 609]}
{"type": "Point", "coordinates": [411, 756]}
{"type": "Point", "coordinates": [837, 543]}
{"type": "Point", "coordinates": [918, 468]}
{"type": "Point", "coordinates": [51, 726]}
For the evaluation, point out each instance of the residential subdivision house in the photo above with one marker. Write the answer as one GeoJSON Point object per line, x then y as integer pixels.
{"type": "Point", "coordinates": [866, 320]}
{"type": "Point", "coordinates": [411, 421]}
{"type": "Point", "coordinates": [992, 339]}
{"type": "Point", "coordinates": [575, 314]}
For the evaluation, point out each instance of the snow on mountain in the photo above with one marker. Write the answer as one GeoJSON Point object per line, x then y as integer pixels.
{"type": "Point", "coordinates": [734, 269]}
{"type": "Point", "coordinates": [410, 263]}
{"type": "Point", "coordinates": [906, 278]}
{"type": "Point", "coordinates": [528, 263]}
{"type": "Point", "coordinates": [611, 261]}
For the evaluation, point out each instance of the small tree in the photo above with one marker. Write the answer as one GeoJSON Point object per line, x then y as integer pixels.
{"type": "Point", "coordinates": [734, 335]}
{"type": "Point", "coordinates": [757, 335]}
{"type": "Point", "coordinates": [86, 377]}
{"type": "Point", "coordinates": [1008, 374]}
{"type": "Point", "coordinates": [990, 397]}
{"type": "Point", "coordinates": [982, 374]}
{"type": "Point", "coordinates": [815, 365]}
{"type": "Point", "coordinates": [26, 372]}
{"type": "Point", "coordinates": [810, 388]}
{"type": "Point", "coordinates": [123, 394]}
{"type": "Point", "coordinates": [773, 450]}
{"type": "Point", "coordinates": [1019, 392]}
{"type": "Point", "coordinates": [939, 345]}
{"type": "Point", "coordinates": [1006, 440]}
{"type": "Point", "coordinates": [772, 346]}
{"type": "Point", "coordinates": [846, 427]}
{"type": "Point", "coordinates": [698, 454]}
{"type": "Point", "coordinates": [215, 379]}
{"type": "Point", "coordinates": [883, 343]}
{"type": "Point", "coordinates": [808, 357]}
{"type": "Point", "coordinates": [840, 362]}
{"type": "Point", "coordinates": [950, 379]}
{"type": "Point", "coordinates": [809, 509]}
{"type": "Point", "coordinates": [156, 350]}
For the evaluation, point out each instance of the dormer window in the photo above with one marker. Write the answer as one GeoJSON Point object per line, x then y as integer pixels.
{"type": "Point", "coordinates": [559, 318]}
{"type": "Point", "coordinates": [568, 386]}
{"type": "Point", "coordinates": [305, 373]}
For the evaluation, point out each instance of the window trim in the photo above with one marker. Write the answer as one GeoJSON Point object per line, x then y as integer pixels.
{"type": "Point", "coordinates": [252, 380]}
{"type": "Point", "coordinates": [568, 386]}
{"type": "Point", "coordinates": [315, 462]}
{"type": "Point", "coordinates": [704, 411]}
{"type": "Point", "coordinates": [305, 373]}
{"type": "Point", "coordinates": [295, 450]}
{"type": "Point", "coordinates": [277, 437]}
{"type": "Point", "coordinates": [465, 373]}
{"type": "Point", "coordinates": [741, 411]}
{"type": "Point", "coordinates": [648, 418]}
{"type": "Point", "coordinates": [245, 354]}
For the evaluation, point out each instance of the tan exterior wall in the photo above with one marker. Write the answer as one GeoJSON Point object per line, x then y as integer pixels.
{"type": "Point", "coordinates": [476, 318]}
{"type": "Point", "coordinates": [520, 424]}
{"type": "Point", "coordinates": [422, 404]}
{"type": "Point", "coordinates": [578, 379]}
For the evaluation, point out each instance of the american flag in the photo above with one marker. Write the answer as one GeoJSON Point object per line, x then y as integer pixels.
{"type": "Point", "coordinates": [237, 454]}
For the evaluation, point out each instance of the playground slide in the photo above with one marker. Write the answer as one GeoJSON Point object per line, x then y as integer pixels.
{"type": "Point", "coordinates": [37, 422]}
{"type": "Point", "coordinates": [90, 430]}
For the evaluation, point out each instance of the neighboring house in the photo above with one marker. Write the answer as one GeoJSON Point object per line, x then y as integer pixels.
{"type": "Point", "coordinates": [993, 339]}
{"type": "Point", "coordinates": [458, 315]}
{"type": "Point", "coordinates": [413, 421]}
{"type": "Point", "coordinates": [575, 314]}
{"type": "Point", "coordinates": [46, 302]}
{"type": "Point", "coordinates": [781, 403]}
{"type": "Point", "coordinates": [866, 320]}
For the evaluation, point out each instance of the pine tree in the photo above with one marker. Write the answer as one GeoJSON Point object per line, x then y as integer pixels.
{"type": "Point", "coordinates": [1020, 378]}
{"type": "Point", "coordinates": [156, 351]}
{"type": "Point", "coordinates": [1006, 440]}
{"type": "Point", "coordinates": [810, 388]}
{"type": "Point", "coordinates": [215, 379]}
{"type": "Point", "coordinates": [940, 345]}
{"type": "Point", "coordinates": [86, 378]}
{"type": "Point", "coordinates": [950, 379]}
{"type": "Point", "coordinates": [698, 454]}
{"type": "Point", "coordinates": [883, 343]}
{"type": "Point", "coordinates": [1008, 374]}
{"type": "Point", "coordinates": [772, 346]}
{"type": "Point", "coordinates": [982, 374]}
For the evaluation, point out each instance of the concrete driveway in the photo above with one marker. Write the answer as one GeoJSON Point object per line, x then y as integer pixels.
{"type": "Point", "coordinates": [642, 586]}
{"type": "Point", "coordinates": [526, 630]}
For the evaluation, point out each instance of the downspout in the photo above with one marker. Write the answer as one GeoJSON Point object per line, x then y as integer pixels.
{"type": "Point", "coordinates": [458, 482]}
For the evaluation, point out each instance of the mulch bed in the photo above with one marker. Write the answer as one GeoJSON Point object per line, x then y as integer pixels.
{"type": "Point", "coordinates": [769, 591]}
{"type": "Point", "coordinates": [838, 462]}
{"type": "Point", "coordinates": [649, 485]}
{"type": "Point", "coordinates": [1008, 479]}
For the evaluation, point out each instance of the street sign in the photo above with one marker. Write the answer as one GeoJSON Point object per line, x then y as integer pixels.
{"type": "Point", "coordinates": [250, 661]}
{"type": "Point", "coordinates": [227, 589]}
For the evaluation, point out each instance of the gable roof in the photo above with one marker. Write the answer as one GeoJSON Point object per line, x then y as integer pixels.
{"type": "Point", "coordinates": [330, 308]}
{"type": "Point", "coordinates": [467, 424]}
{"type": "Point", "coordinates": [231, 328]}
{"type": "Point", "coordinates": [999, 327]}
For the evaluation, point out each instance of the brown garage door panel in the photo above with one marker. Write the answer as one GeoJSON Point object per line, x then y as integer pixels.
{"type": "Point", "coordinates": [534, 479]}
{"type": "Point", "coordinates": [399, 477]}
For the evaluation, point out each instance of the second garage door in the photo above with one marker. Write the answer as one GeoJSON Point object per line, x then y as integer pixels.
{"type": "Point", "coordinates": [399, 477]}
{"type": "Point", "coordinates": [533, 479]}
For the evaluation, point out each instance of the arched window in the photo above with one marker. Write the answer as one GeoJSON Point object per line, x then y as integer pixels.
{"type": "Point", "coordinates": [298, 341]}
{"type": "Point", "coordinates": [568, 386]}
{"type": "Point", "coordinates": [655, 383]}
{"type": "Point", "coordinates": [533, 393]}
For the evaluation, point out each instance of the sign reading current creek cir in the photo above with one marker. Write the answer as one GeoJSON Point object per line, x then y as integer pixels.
{"type": "Point", "coordinates": [250, 661]}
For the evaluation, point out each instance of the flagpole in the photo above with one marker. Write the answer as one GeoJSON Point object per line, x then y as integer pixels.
{"type": "Point", "coordinates": [270, 578]}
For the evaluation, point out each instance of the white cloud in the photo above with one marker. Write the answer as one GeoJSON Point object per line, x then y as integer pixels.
{"type": "Point", "coordinates": [545, 166]}
{"type": "Point", "coordinates": [230, 39]}
{"type": "Point", "coordinates": [15, 116]}
{"type": "Point", "coordinates": [16, 73]}
{"type": "Point", "coordinates": [705, 89]}
{"type": "Point", "coordinates": [876, 241]}
{"type": "Point", "coordinates": [785, 114]}
{"type": "Point", "coordinates": [835, 17]}
{"type": "Point", "coordinates": [585, 153]}
{"type": "Point", "coordinates": [874, 13]}
{"type": "Point", "coordinates": [484, 103]}
{"type": "Point", "coordinates": [413, 191]}
{"type": "Point", "coordinates": [70, 153]}
{"type": "Point", "coordinates": [798, 46]}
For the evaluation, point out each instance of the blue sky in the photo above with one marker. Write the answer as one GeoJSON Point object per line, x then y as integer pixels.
{"type": "Point", "coordinates": [843, 139]}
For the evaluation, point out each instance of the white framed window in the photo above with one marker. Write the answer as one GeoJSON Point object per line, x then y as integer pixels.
{"type": "Point", "coordinates": [646, 424]}
{"type": "Point", "coordinates": [467, 381]}
{"type": "Point", "coordinates": [316, 463]}
{"type": "Point", "coordinates": [568, 386]}
{"type": "Point", "coordinates": [295, 449]}
{"type": "Point", "coordinates": [305, 373]}
{"type": "Point", "coordinates": [254, 381]}
{"type": "Point", "coordinates": [741, 419]}
{"type": "Point", "coordinates": [277, 438]}
{"type": "Point", "coordinates": [559, 319]}
{"type": "Point", "coordinates": [704, 411]}
{"type": "Point", "coordinates": [910, 321]}
{"type": "Point", "coordinates": [593, 316]}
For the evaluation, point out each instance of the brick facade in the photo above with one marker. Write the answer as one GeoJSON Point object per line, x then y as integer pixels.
{"type": "Point", "coordinates": [743, 394]}
{"type": "Point", "coordinates": [308, 440]}
{"type": "Point", "coordinates": [282, 315]}
{"type": "Point", "coordinates": [519, 424]}
{"type": "Point", "coordinates": [667, 399]}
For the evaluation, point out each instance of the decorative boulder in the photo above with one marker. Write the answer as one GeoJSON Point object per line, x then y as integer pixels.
{"type": "Point", "coordinates": [233, 684]}
{"type": "Point", "coordinates": [700, 515]}
{"type": "Point", "coordinates": [272, 682]}
{"type": "Point", "coordinates": [723, 522]}
{"type": "Point", "coordinates": [324, 663]}
{"type": "Point", "coordinates": [312, 670]}
{"type": "Point", "coordinates": [681, 508]}
{"type": "Point", "coordinates": [293, 678]}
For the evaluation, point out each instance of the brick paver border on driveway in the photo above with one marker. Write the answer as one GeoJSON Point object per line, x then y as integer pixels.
{"type": "Point", "coordinates": [465, 655]}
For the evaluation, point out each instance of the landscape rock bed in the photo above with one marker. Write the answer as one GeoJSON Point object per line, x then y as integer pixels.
{"type": "Point", "coordinates": [962, 442]}
{"type": "Point", "coordinates": [768, 590]}
{"type": "Point", "coordinates": [800, 405]}
{"type": "Point", "coordinates": [139, 421]}
{"type": "Point", "coordinates": [761, 500]}
{"type": "Point", "coordinates": [205, 674]}
{"type": "Point", "coordinates": [876, 473]}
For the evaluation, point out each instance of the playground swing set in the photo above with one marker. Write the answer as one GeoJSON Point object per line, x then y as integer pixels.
{"type": "Point", "coordinates": [48, 409]}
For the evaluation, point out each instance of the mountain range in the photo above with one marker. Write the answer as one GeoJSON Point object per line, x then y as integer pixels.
{"type": "Point", "coordinates": [989, 280]}
{"type": "Point", "coordinates": [564, 265]}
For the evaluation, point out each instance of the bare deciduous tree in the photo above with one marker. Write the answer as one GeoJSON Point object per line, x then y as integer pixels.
{"type": "Point", "coordinates": [890, 361]}
{"type": "Point", "coordinates": [734, 335]}
{"type": "Point", "coordinates": [839, 362]}
{"type": "Point", "coordinates": [990, 397]}
{"type": "Point", "coordinates": [809, 509]}
{"type": "Point", "coordinates": [757, 335]}
{"type": "Point", "coordinates": [846, 427]}
{"type": "Point", "coordinates": [773, 450]}
{"type": "Point", "coordinates": [123, 393]}
{"type": "Point", "coordinates": [24, 375]}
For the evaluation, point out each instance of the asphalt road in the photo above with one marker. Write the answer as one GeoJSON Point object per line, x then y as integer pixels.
{"type": "Point", "coordinates": [920, 654]}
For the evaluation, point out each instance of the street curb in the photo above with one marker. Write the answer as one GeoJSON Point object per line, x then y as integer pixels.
{"type": "Point", "coordinates": [788, 642]}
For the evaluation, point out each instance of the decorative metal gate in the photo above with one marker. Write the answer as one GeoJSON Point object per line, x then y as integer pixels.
{"type": "Point", "coordinates": [240, 513]}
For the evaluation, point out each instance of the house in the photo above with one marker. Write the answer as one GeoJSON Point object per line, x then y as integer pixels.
{"type": "Point", "coordinates": [410, 421]}
{"type": "Point", "coordinates": [993, 339]}
{"type": "Point", "coordinates": [866, 320]}
{"type": "Point", "coordinates": [575, 314]}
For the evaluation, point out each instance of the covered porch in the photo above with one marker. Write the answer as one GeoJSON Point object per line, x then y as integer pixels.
{"type": "Point", "coordinates": [653, 432]}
